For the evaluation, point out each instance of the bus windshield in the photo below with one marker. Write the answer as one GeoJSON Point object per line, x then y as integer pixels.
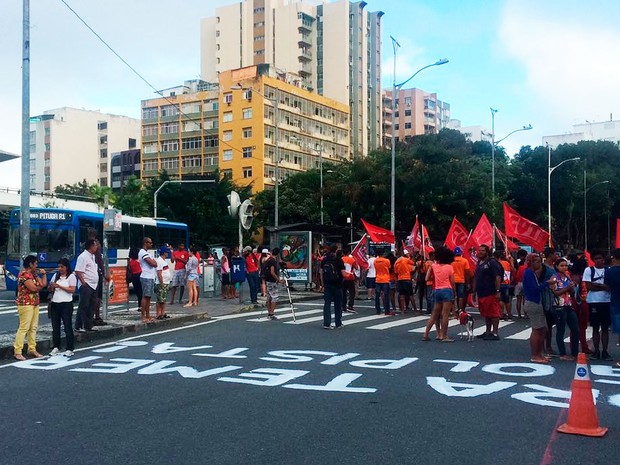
{"type": "Point", "coordinates": [55, 243]}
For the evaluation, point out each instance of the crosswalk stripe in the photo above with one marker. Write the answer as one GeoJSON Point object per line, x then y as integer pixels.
{"type": "Point", "coordinates": [311, 320]}
{"type": "Point", "coordinates": [398, 322]}
{"type": "Point", "coordinates": [362, 319]}
{"type": "Point", "coordinates": [451, 323]}
{"type": "Point", "coordinates": [240, 315]}
{"type": "Point", "coordinates": [521, 335]}
{"type": "Point", "coordinates": [287, 315]}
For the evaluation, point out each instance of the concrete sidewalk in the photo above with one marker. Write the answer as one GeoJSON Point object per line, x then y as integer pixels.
{"type": "Point", "coordinates": [129, 321]}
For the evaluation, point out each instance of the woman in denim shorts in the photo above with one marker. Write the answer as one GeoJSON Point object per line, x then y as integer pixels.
{"type": "Point", "coordinates": [441, 274]}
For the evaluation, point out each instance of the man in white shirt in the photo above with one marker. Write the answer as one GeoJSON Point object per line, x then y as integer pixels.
{"type": "Point", "coordinates": [162, 283]}
{"type": "Point", "coordinates": [598, 299]}
{"type": "Point", "coordinates": [147, 278]}
{"type": "Point", "coordinates": [371, 275]}
{"type": "Point", "coordinates": [88, 275]}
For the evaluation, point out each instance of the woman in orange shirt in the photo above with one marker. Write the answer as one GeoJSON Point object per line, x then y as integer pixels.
{"type": "Point", "coordinates": [442, 276]}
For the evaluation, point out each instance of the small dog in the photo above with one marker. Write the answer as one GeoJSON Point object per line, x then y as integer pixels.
{"type": "Point", "coordinates": [467, 325]}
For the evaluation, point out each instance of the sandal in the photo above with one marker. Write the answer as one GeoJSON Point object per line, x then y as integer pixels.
{"type": "Point", "coordinates": [35, 354]}
{"type": "Point", "coordinates": [536, 360]}
{"type": "Point", "coordinates": [19, 357]}
{"type": "Point", "coordinates": [426, 338]}
{"type": "Point", "coordinates": [447, 339]}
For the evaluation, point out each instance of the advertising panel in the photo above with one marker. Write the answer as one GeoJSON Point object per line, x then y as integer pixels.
{"type": "Point", "coordinates": [295, 255]}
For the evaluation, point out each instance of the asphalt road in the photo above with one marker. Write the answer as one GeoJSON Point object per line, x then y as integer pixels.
{"type": "Point", "coordinates": [241, 389]}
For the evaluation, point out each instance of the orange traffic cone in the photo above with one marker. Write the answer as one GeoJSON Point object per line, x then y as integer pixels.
{"type": "Point", "coordinates": [582, 417]}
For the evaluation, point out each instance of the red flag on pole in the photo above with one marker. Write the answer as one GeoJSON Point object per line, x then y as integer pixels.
{"type": "Point", "coordinates": [360, 253]}
{"type": "Point", "coordinates": [414, 239]}
{"type": "Point", "coordinates": [508, 244]}
{"type": "Point", "coordinates": [426, 241]}
{"type": "Point", "coordinates": [618, 233]}
{"type": "Point", "coordinates": [378, 234]}
{"type": "Point", "coordinates": [523, 229]}
{"type": "Point", "coordinates": [457, 235]}
{"type": "Point", "coordinates": [483, 234]}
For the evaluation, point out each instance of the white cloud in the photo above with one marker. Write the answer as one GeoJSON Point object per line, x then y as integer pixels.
{"type": "Point", "coordinates": [409, 58]}
{"type": "Point", "coordinates": [569, 53]}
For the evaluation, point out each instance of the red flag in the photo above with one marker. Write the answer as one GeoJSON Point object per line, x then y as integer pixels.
{"type": "Point", "coordinates": [427, 245]}
{"type": "Point", "coordinates": [414, 240]}
{"type": "Point", "coordinates": [508, 244]}
{"type": "Point", "coordinates": [378, 234]}
{"type": "Point", "coordinates": [360, 253]}
{"type": "Point", "coordinates": [483, 234]}
{"type": "Point", "coordinates": [618, 233]}
{"type": "Point", "coordinates": [588, 258]}
{"type": "Point", "coordinates": [457, 235]}
{"type": "Point", "coordinates": [523, 229]}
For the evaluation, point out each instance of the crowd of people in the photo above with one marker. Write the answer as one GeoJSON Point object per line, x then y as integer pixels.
{"type": "Point", "coordinates": [550, 290]}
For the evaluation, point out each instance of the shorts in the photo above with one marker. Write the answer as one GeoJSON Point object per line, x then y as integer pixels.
{"type": "Point", "coordinates": [504, 293]}
{"type": "Point", "coordinates": [489, 307]}
{"type": "Point", "coordinates": [192, 277]}
{"type": "Point", "coordinates": [536, 313]}
{"type": "Point", "coordinates": [148, 287]}
{"type": "Point", "coordinates": [161, 291]}
{"type": "Point", "coordinates": [600, 315]}
{"type": "Point", "coordinates": [519, 289]}
{"type": "Point", "coordinates": [460, 290]}
{"type": "Point", "coordinates": [178, 279]}
{"type": "Point", "coordinates": [225, 279]}
{"type": "Point", "coordinates": [392, 284]}
{"type": "Point", "coordinates": [371, 283]}
{"type": "Point", "coordinates": [273, 291]}
{"type": "Point", "coordinates": [443, 295]}
{"type": "Point", "coordinates": [405, 287]}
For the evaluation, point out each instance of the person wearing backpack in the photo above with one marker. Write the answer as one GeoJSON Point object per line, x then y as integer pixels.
{"type": "Point", "coordinates": [332, 273]}
{"type": "Point", "coordinates": [271, 274]}
{"type": "Point", "coordinates": [598, 300]}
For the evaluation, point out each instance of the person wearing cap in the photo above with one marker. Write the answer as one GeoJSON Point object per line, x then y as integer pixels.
{"type": "Point", "coordinates": [162, 283]}
{"type": "Point", "coordinates": [462, 278]}
{"type": "Point", "coordinates": [251, 268]}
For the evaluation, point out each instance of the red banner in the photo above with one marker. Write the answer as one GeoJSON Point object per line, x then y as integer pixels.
{"type": "Point", "coordinates": [524, 230]}
{"type": "Point", "coordinates": [508, 244]}
{"type": "Point", "coordinates": [457, 235]}
{"type": "Point", "coordinates": [378, 234]}
{"type": "Point", "coordinates": [360, 253]}
{"type": "Point", "coordinates": [618, 233]}
{"type": "Point", "coordinates": [427, 245]}
{"type": "Point", "coordinates": [419, 239]}
{"type": "Point", "coordinates": [483, 234]}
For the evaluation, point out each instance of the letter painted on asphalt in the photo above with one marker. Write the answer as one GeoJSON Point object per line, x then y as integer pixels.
{"type": "Point", "coordinates": [339, 358]}
{"type": "Point", "coordinates": [543, 393]}
{"type": "Point", "coordinates": [614, 400]}
{"type": "Point", "coordinates": [167, 348]}
{"type": "Point", "coordinates": [460, 365]}
{"type": "Point", "coordinates": [295, 356]}
{"type": "Point", "coordinates": [605, 370]}
{"type": "Point", "coordinates": [163, 366]}
{"type": "Point", "coordinates": [232, 353]}
{"type": "Point", "coordinates": [266, 377]}
{"type": "Point", "coordinates": [339, 384]}
{"type": "Point", "coordinates": [123, 365]}
{"type": "Point", "coordinates": [384, 364]}
{"type": "Point", "coordinates": [533, 369]}
{"type": "Point", "coordinates": [447, 388]}
{"type": "Point", "coordinates": [52, 363]}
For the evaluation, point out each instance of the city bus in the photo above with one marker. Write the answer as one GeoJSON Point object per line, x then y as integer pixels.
{"type": "Point", "coordinates": [59, 233]}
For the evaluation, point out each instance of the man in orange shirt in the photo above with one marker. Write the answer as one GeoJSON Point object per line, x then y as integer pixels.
{"type": "Point", "coordinates": [462, 278]}
{"type": "Point", "coordinates": [403, 269]}
{"type": "Point", "coordinates": [348, 283]}
{"type": "Point", "coordinates": [382, 280]}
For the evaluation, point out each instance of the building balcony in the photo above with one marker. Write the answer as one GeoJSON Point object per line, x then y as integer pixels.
{"type": "Point", "coordinates": [305, 56]}
{"type": "Point", "coordinates": [149, 138]}
{"type": "Point", "coordinates": [304, 28]}
{"type": "Point", "coordinates": [170, 136]}
{"type": "Point", "coordinates": [305, 41]}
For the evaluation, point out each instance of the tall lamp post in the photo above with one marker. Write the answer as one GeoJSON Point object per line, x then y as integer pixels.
{"type": "Point", "coordinates": [550, 170]}
{"type": "Point", "coordinates": [395, 88]}
{"type": "Point", "coordinates": [586, 189]}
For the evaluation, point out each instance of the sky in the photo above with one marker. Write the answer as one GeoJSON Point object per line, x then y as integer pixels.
{"type": "Point", "coordinates": [550, 64]}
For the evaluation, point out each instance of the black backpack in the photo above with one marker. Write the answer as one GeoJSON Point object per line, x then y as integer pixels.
{"type": "Point", "coordinates": [330, 275]}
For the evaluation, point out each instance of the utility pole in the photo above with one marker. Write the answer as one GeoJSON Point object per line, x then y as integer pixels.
{"type": "Point", "coordinates": [24, 217]}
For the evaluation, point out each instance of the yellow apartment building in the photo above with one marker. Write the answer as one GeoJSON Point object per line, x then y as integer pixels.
{"type": "Point", "coordinates": [266, 116]}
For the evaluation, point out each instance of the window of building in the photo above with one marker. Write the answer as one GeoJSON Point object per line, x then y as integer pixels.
{"type": "Point", "coordinates": [170, 146]}
{"type": "Point", "coordinates": [217, 33]}
{"type": "Point", "coordinates": [407, 101]}
{"type": "Point", "coordinates": [259, 52]}
{"type": "Point", "coordinates": [228, 98]}
{"type": "Point", "coordinates": [169, 163]}
{"type": "Point", "coordinates": [150, 148]}
{"type": "Point", "coordinates": [170, 128]}
{"type": "Point", "coordinates": [247, 152]}
{"type": "Point", "coordinates": [247, 172]}
{"type": "Point", "coordinates": [407, 112]}
{"type": "Point", "coordinates": [149, 165]}
{"type": "Point", "coordinates": [247, 133]}
{"type": "Point", "coordinates": [103, 153]}
{"type": "Point", "coordinates": [191, 143]}
{"type": "Point", "coordinates": [396, 114]}
{"type": "Point", "coordinates": [227, 174]}
{"type": "Point", "coordinates": [150, 130]}
{"type": "Point", "coordinates": [192, 162]}
{"type": "Point", "coordinates": [247, 113]}
{"type": "Point", "coordinates": [227, 155]}
{"type": "Point", "coordinates": [228, 116]}
{"type": "Point", "coordinates": [247, 94]}
{"type": "Point", "coordinates": [259, 24]}
{"type": "Point", "coordinates": [103, 140]}
{"type": "Point", "coordinates": [169, 110]}
{"type": "Point", "coordinates": [407, 125]}
{"type": "Point", "coordinates": [211, 160]}
{"type": "Point", "coordinates": [149, 113]}
{"type": "Point", "coordinates": [397, 126]}
{"type": "Point", "coordinates": [211, 141]}
{"type": "Point", "coordinates": [259, 38]}
{"type": "Point", "coordinates": [189, 126]}
{"type": "Point", "coordinates": [227, 136]}
{"type": "Point", "coordinates": [33, 137]}
{"type": "Point", "coordinates": [191, 107]}
{"type": "Point", "coordinates": [211, 124]}
{"type": "Point", "coordinates": [101, 125]}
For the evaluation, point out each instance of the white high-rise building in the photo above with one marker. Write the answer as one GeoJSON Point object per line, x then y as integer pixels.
{"type": "Point", "coordinates": [68, 145]}
{"type": "Point", "coordinates": [595, 130]}
{"type": "Point", "coordinates": [335, 48]}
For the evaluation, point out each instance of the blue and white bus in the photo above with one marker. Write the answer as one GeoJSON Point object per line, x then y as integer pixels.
{"type": "Point", "coordinates": [57, 233]}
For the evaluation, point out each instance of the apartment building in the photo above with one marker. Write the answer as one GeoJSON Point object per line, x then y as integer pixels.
{"type": "Point", "coordinates": [416, 112]}
{"type": "Point", "coordinates": [124, 165]}
{"type": "Point", "coordinates": [180, 131]}
{"type": "Point", "coordinates": [590, 130]}
{"type": "Point", "coordinates": [334, 47]}
{"type": "Point", "coordinates": [69, 145]}
{"type": "Point", "coordinates": [266, 116]}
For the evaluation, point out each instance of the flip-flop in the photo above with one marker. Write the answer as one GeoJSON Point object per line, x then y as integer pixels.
{"type": "Point", "coordinates": [539, 361]}
{"type": "Point", "coordinates": [447, 339]}
{"type": "Point", "coordinates": [426, 339]}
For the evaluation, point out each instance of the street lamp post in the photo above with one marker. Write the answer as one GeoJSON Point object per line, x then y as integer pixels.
{"type": "Point", "coordinates": [395, 88]}
{"type": "Point", "coordinates": [586, 189]}
{"type": "Point", "coordinates": [550, 170]}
